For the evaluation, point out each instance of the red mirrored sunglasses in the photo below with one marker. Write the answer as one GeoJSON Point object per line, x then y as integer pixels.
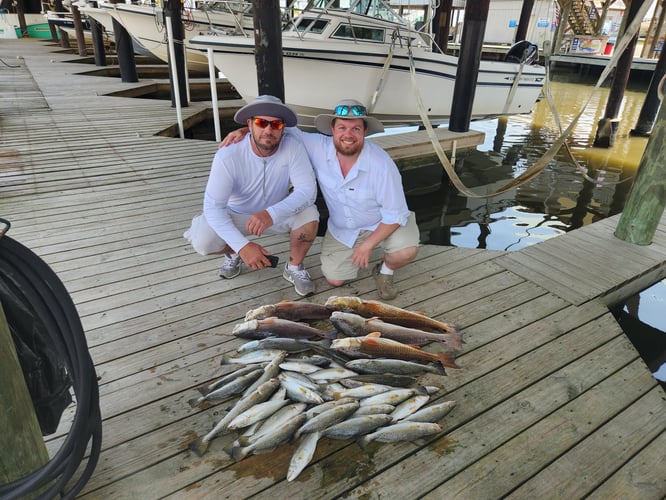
{"type": "Point", "coordinates": [263, 123]}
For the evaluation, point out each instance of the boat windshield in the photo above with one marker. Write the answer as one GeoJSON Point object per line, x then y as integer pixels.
{"type": "Point", "coordinates": [372, 8]}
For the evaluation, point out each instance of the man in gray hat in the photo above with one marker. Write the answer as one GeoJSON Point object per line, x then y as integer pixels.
{"type": "Point", "coordinates": [363, 191]}
{"type": "Point", "coordinates": [263, 184]}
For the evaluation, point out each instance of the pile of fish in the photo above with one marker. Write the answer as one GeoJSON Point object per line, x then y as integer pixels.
{"type": "Point", "coordinates": [346, 369]}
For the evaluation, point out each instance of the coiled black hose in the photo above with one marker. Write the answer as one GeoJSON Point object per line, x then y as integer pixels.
{"type": "Point", "coordinates": [39, 288]}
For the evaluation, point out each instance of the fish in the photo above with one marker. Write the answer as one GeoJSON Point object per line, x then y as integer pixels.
{"type": "Point", "coordinates": [252, 357]}
{"type": "Point", "coordinates": [332, 374]}
{"type": "Point", "coordinates": [328, 418]}
{"type": "Point", "coordinates": [235, 386]}
{"type": "Point", "coordinates": [376, 346]}
{"type": "Point", "coordinates": [356, 425]}
{"type": "Point", "coordinates": [373, 409]}
{"type": "Point", "coordinates": [275, 327]}
{"type": "Point", "coordinates": [354, 325]}
{"type": "Point", "coordinates": [299, 392]}
{"type": "Point", "coordinates": [299, 367]}
{"type": "Point", "coordinates": [386, 379]}
{"type": "Point", "coordinates": [270, 440]}
{"type": "Point", "coordinates": [409, 406]}
{"type": "Point", "coordinates": [394, 366]}
{"type": "Point", "coordinates": [281, 343]}
{"type": "Point", "coordinates": [259, 411]}
{"type": "Point", "coordinates": [389, 313]}
{"type": "Point", "coordinates": [401, 431]}
{"type": "Point", "coordinates": [278, 418]}
{"type": "Point", "coordinates": [362, 391]}
{"type": "Point", "coordinates": [263, 392]}
{"type": "Point", "coordinates": [302, 455]}
{"type": "Point", "coordinates": [432, 413]}
{"type": "Point", "coordinates": [321, 408]}
{"type": "Point", "coordinates": [291, 310]}
{"type": "Point", "coordinates": [391, 397]}
{"type": "Point", "coordinates": [271, 370]}
{"type": "Point", "coordinates": [228, 378]}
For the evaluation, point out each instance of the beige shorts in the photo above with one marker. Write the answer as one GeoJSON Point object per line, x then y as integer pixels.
{"type": "Point", "coordinates": [336, 263]}
{"type": "Point", "coordinates": [205, 240]}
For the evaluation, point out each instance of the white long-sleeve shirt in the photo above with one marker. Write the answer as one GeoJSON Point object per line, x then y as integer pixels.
{"type": "Point", "coordinates": [246, 183]}
{"type": "Point", "coordinates": [371, 193]}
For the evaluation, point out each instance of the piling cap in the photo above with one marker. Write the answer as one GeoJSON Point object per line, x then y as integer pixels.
{"type": "Point", "coordinates": [266, 105]}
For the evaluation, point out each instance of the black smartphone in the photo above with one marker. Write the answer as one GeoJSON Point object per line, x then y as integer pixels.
{"type": "Point", "coordinates": [274, 260]}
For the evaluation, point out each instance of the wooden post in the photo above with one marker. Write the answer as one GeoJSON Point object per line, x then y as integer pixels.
{"type": "Point", "coordinates": [78, 29]}
{"type": "Point", "coordinates": [524, 21]}
{"type": "Point", "coordinates": [651, 103]}
{"type": "Point", "coordinates": [125, 52]}
{"type": "Point", "coordinates": [21, 439]}
{"type": "Point", "coordinates": [97, 42]}
{"type": "Point", "coordinates": [441, 24]}
{"type": "Point", "coordinates": [268, 48]}
{"type": "Point", "coordinates": [647, 198]}
{"type": "Point", "coordinates": [607, 126]}
{"type": "Point", "coordinates": [476, 15]}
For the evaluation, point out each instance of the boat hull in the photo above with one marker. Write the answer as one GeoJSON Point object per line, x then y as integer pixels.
{"type": "Point", "coordinates": [145, 24]}
{"type": "Point", "coordinates": [316, 77]}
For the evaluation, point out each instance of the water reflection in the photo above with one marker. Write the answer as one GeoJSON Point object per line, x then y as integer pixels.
{"type": "Point", "coordinates": [558, 199]}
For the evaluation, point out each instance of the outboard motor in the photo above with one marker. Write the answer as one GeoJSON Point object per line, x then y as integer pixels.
{"type": "Point", "coordinates": [522, 51]}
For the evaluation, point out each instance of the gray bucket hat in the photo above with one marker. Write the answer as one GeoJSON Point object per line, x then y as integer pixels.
{"type": "Point", "coordinates": [348, 109]}
{"type": "Point", "coordinates": [266, 105]}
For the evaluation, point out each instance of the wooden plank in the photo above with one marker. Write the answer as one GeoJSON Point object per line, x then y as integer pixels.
{"type": "Point", "coordinates": [604, 451]}
{"type": "Point", "coordinates": [548, 278]}
{"type": "Point", "coordinates": [636, 479]}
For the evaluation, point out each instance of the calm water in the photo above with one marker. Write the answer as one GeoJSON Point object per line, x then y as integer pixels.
{"type": "Point", "coordinates": [558, 200]}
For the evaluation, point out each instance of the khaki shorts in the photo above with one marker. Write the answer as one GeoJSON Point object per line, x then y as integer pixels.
{"type": "Point", "coordinates": [205, 240]}
{"type": "Point", "coordinates": [336, 263]}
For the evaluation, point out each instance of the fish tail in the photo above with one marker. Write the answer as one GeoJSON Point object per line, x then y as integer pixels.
{"type": "Point", "coordinates": [447, 360]}
{"type": "Point", "coordinates": [455, 341]}
{"type": "Point", "coordinates": [226, 360]}
{"type": "Point", "coordinates": [199, 446]}
{"type": "Point", "coordinates": [194, 402]}
{"type": "Point", "coordinates": [238, 453]}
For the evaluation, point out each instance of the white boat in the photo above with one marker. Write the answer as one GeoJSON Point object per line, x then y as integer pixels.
{"type": "Point", "coordinates": [331, 54]}
{"type": "Point", "coordinates": [146, 24]}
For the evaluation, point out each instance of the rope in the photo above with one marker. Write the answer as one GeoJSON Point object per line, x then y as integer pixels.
{"type": "Point", "coordinates": [543, 162]}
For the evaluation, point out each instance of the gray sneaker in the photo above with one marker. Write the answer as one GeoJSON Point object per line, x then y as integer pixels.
{"type": "Point", "coordinates": [385, 286]}
{"type": "Point", "coordinates": [231, 267]}
{"type": "Point", "coordinates": [301, 279]}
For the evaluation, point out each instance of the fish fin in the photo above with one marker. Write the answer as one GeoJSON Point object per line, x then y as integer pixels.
{"type": "Point", "coordinates": [422, 390]}
{"type": "Point", "coordinates": [243, 441]}
{"type": "Point", "coordinates": [199, 446]}
{"type": "Point", "coordinates": [362, 441]}
{"type": "Point", "coordinates": [194, 402]}
{"type": "Point", "coordinates": [447, 360]}
{"type": "Point", "coordinates": [374, 334]}
{"type": "Point", "coordinates": [204, 390]}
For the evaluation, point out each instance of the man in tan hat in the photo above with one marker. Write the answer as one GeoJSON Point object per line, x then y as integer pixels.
{"type": "Point", "coordinates": [261, 185]}
{"type": "Point", "coordinates": [363, 191]}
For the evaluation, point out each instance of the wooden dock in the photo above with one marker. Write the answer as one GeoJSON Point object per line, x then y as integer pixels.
{"type": "Point", "coordinates": [552, 399]}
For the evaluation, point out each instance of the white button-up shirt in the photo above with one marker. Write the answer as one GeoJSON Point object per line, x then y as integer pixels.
{"type": "Point", "coordinates": [371, 193]}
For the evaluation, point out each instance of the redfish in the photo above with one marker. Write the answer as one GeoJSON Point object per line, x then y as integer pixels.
{"type": "Point", "coordinates": [377, 347]}
{"type": "Point", "coordinates": [291, 310]}
{"type": "Point", "coordinates": [388, 313]}
{"type": "Point", "coordinates": [356, 325]}
{"type": "Point", "coordinates": [276, 327]}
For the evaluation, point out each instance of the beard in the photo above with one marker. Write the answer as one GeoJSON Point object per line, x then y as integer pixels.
{"type": "Point", "coordinates": [347, 149]}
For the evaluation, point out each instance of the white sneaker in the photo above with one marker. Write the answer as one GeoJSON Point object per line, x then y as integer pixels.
{"type": "Point", "coordinates": [301, 279]}
{"type": "Point", "coordinates": [231, 267]}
